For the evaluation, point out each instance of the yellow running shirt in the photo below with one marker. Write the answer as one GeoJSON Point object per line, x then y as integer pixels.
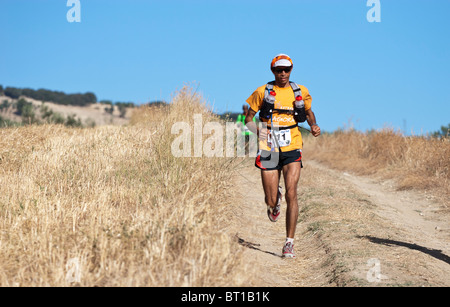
{"type": "Point", "coordinates": [284, 100]}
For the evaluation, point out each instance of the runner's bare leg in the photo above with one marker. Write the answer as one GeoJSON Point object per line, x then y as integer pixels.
{"type": "Point", "coordinates": [270, 182]}
{"type": "Point", "coordinates": [291, 174]}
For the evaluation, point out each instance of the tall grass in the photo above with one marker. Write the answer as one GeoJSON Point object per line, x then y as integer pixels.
{"type": "Point", "coordinates": [415, 162]}
{"type": "Point", "coordinates": [111, 206]}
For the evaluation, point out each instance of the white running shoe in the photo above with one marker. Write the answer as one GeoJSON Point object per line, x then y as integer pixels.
{"type": "Point", "coordinates": [288, 250]}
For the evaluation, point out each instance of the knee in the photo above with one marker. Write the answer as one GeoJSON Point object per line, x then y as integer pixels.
{"type": "Point", "coordinates": [291, 195]}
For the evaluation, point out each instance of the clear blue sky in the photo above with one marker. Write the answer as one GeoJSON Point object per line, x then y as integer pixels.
{"type": "Point", "coordinates": [392, 73]}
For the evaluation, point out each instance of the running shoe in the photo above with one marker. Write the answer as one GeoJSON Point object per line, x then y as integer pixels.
{"type": "Point", "coordinates": [288, 250]}
{"type": "Point", "coordinates": [274, 213]}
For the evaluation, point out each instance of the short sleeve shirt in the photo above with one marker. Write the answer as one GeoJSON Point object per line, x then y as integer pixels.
{"type": "Point", "coordinates": [284, 100]}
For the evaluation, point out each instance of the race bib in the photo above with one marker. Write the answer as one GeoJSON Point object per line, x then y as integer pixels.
{"type": "Point", "coordinates": [279, 138]}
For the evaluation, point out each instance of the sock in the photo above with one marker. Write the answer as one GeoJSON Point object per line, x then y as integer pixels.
{"type": "Point", "coordinates": [289, 240]}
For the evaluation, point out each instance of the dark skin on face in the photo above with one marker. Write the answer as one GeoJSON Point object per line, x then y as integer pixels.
{"type": "Point", "coordinates": [282, 75]}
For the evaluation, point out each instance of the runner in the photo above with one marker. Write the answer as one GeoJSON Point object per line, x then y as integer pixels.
{"type": "Point", "coordinates": [241, 122]}
{"type": "Point", "coordinates": [280, 142]}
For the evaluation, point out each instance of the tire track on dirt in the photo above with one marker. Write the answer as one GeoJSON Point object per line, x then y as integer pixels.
{"type": "Point", "coordinates": [422, 232]}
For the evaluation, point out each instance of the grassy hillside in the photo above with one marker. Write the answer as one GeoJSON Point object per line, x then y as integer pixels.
{"type": "Point", "coordinates": [111, 206]}
{"type": "Point", "coordinates": [26, 110]}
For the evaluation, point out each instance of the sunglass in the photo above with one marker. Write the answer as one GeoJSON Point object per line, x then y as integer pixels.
{"type": "Point", "coordinates": [280, 70]}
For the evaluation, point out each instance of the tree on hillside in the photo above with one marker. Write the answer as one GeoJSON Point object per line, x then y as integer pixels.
{"type": "Point", "coordinates": [1, 89]}
{"type": "Point", "coordinates": [26, 110]}
{"type": "Point", "coordinates": [28, 92]}
{"type": "Point", "coordinates": [90, 98]}
{"type": "Point", "coordinates": [28, 116]}
{"type": "Point", "coordinates": [122, 110]}
{"type": "Point", "coordinates": [4, 106]}
{"type": "Point", "coordinates": [444, 133]}
{"type": "Point", "coordinates": [46, 112]}
{"type": "Point", "coordinates": [158, 103]}
{"type": "Point", "coordinates": [123, 107]}
{"type": "Point", "coordinates": [72, 121]}
{"type": "Point", "coordinates": [21, 105]}
{"type": "Point", "coordinates": [52, 96]}
{"type": "Point", "coordinates": [13, 92]}
{"type": "Point", "coordinates": [57, 118]}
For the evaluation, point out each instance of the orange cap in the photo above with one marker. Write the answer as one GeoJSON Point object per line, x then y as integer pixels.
{"type": "Point", "coordinates": [281, 60]}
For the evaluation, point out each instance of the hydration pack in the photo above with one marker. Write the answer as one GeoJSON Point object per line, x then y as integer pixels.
{"type": "Point", "coordinates": [268, 107]}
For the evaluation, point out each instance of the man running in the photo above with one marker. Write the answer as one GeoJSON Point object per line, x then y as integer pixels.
{"type": "Point", "coordinates": [241, 122]}
{"type": "Point", "coordinates": [280, 141]}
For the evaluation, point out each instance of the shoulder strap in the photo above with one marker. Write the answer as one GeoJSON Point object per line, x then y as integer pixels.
{"type": "Point", "coordinates": [269, 88]}
{"type": "Point", "coordinates": [296, 89]}
{"type": "Point", "coordinates": [294, 86]}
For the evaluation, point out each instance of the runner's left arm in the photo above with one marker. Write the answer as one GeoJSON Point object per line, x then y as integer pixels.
{"type": "Point", "coordinates": [311, 118]}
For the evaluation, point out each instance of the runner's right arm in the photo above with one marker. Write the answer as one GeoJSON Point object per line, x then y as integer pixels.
{"type": "Point", "coordinates": [251, 125]}
{"type": "Point", "coordinates": [249, 121]}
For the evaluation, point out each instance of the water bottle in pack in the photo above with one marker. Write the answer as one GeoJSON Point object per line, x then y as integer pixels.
{"type": "Point", "coordinates": [268, 106]}
{"type": "Point", "coordinates": [299, 109]}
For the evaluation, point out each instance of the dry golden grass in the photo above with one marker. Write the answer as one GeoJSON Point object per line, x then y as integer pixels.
{"type": "Point", "coordinates": [414, 162]}
{"type": "Point", "coordinates": [351, 221]}
{"type": "Point", "coordinates": [114, 206]}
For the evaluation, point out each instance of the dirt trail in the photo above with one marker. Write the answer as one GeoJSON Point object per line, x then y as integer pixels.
{"type": "Point", "coordinates": [352, 231]}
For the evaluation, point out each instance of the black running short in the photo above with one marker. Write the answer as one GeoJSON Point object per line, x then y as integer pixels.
{"type": "Point", "coordinates": [268, 160]}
